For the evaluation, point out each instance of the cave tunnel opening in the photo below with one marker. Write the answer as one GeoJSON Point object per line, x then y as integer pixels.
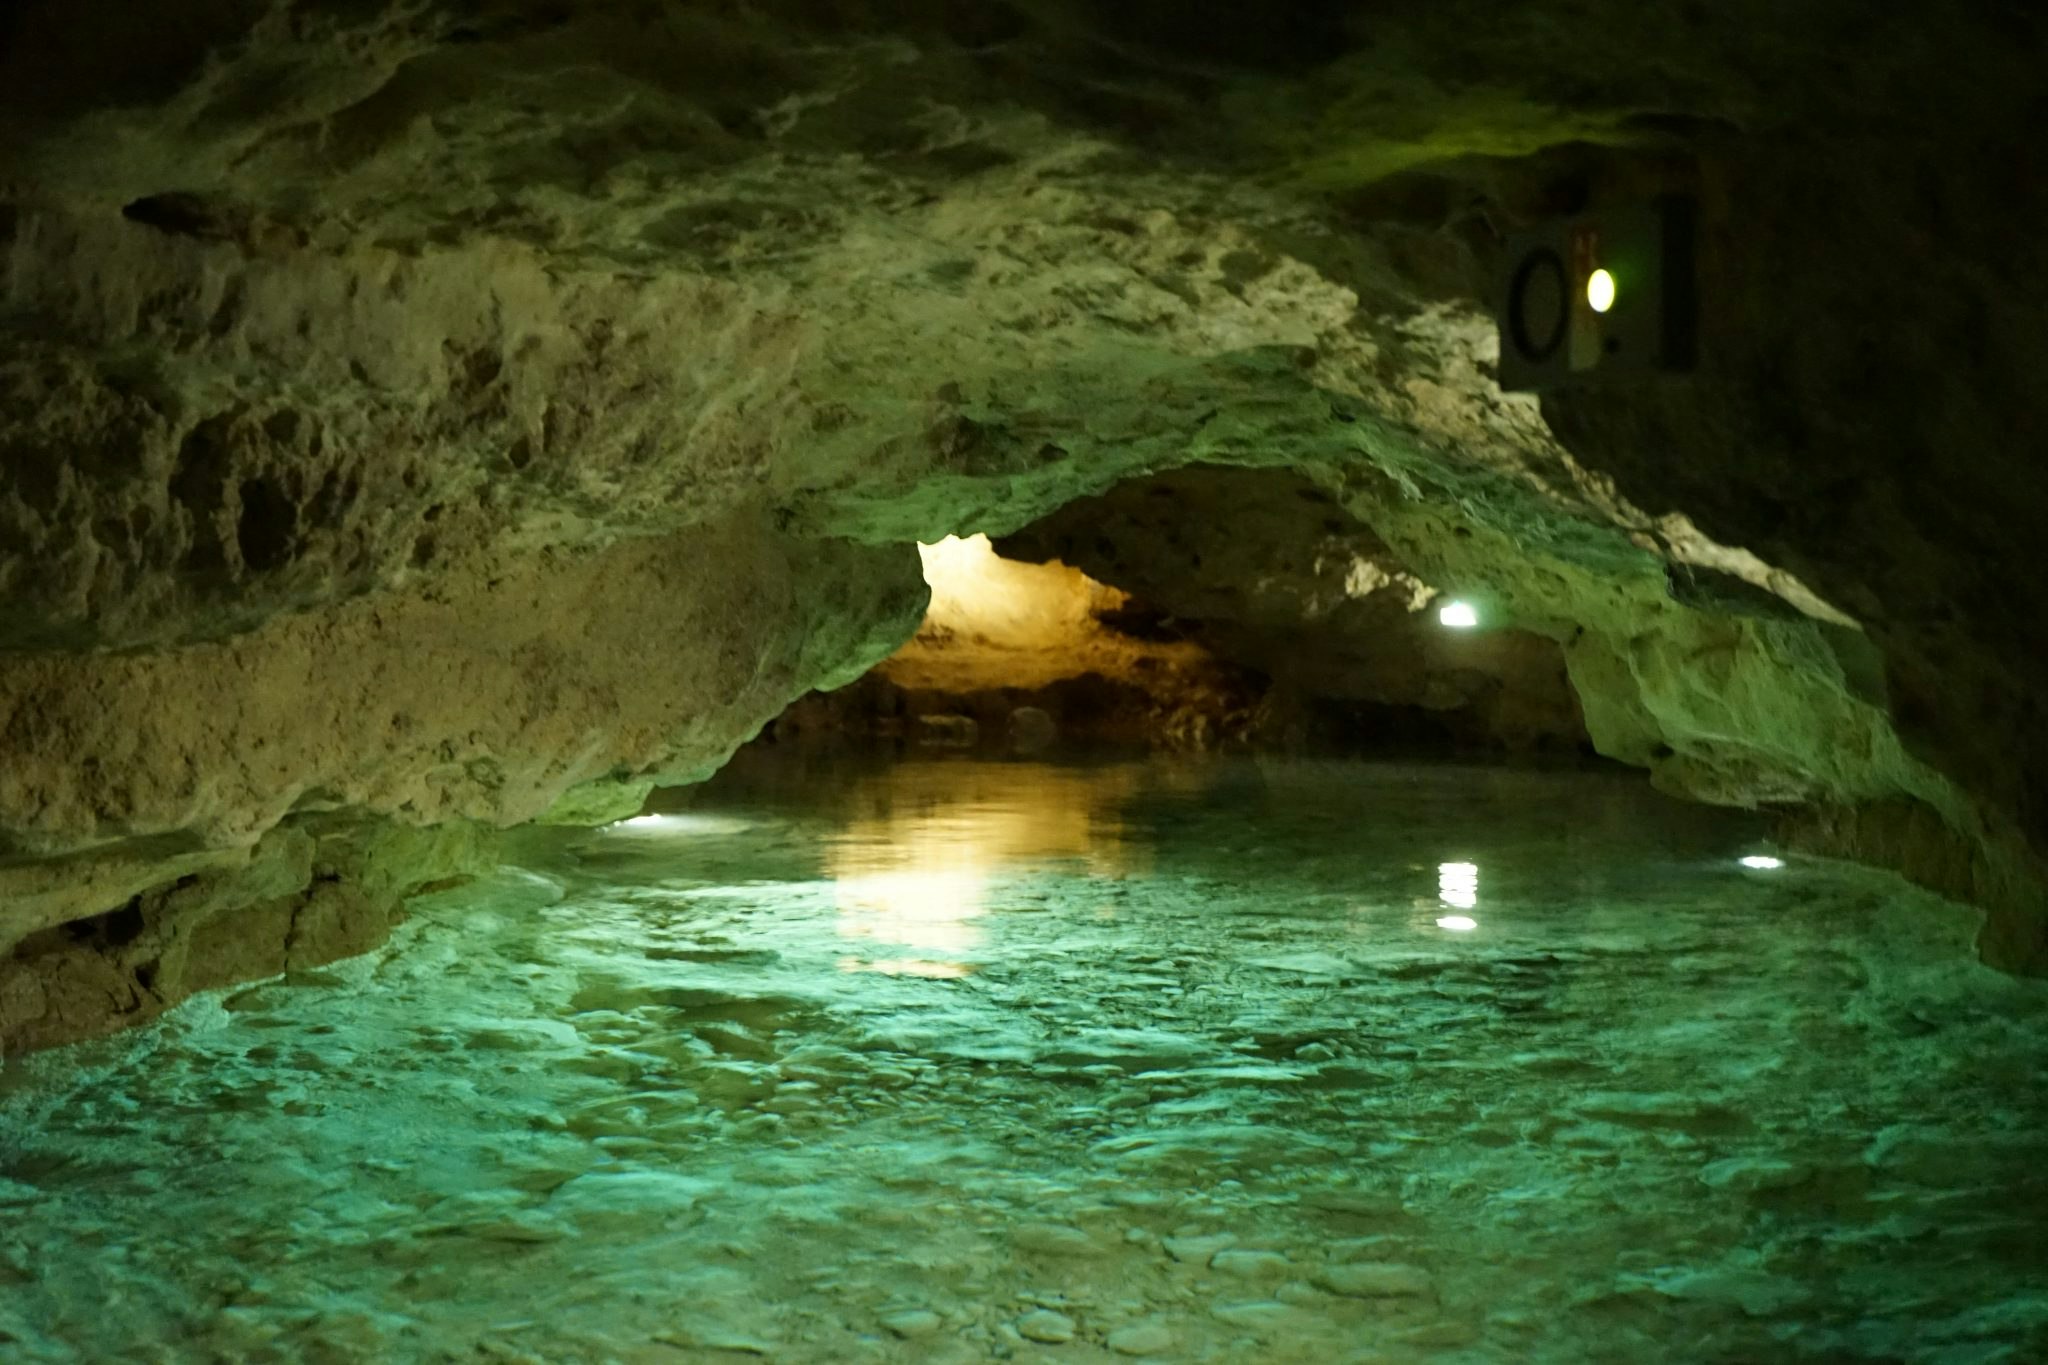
{"type": "Point", "coordinates": [1190, 632]}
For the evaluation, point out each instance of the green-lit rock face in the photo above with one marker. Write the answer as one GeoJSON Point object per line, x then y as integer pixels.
{"type": "Point", "coordinates": [468, 414]}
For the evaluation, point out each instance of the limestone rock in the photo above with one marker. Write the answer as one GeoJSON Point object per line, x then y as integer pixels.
{"type": "Point", "coordinates": [434, 412]}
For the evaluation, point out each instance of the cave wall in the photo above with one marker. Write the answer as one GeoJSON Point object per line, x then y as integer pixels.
{"type": "Point", "coordinates": [475, 410]}
{"type": "Point", "coordinates": [247, 804]}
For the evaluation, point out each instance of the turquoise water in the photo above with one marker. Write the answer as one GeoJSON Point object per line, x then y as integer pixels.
{"type": "Point", "coordinates": [1185, 1061]}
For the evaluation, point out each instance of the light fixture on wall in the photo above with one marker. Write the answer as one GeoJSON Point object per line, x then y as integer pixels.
{"type": "Point", "coordinates": [1600, 290]}
{"type": "Point", "coordinates": [1457, 615]}
{"type": "Point", "coordinates": [1610, 293]}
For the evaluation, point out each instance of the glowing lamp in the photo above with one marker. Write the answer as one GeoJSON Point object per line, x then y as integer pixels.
{"type": "Point", "coordinates": [1458, 615]}
{"type": "Point", "coordinates": [1761, 862]}
{"type": "Point", "coordinates": [1600, 291]}
{"type": "Point", "coordinates": [1566, 320]}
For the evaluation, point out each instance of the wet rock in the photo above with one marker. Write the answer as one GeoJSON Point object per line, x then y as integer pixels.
{"type": "Point", "coordinates": [1031, 730]}
{"type": "Point", "coordinates": [913, 1323]}
{"type": "Point", "coordinates": [1364, 1204]}
{"type": "Point", "coordinates": [599, 1196]}
{"type": "Point", "coordinates": [1141, 1339]}
{"type": "Point", "coordinates": [1259, 1315]}
{"type": "Point", "coordinates": [1054, 1239]}
{"type": "Point", "coordinates": [1446, 1334]}
{"type": "Point", "coordinates": [1377, 1280]}
{"type": "Point", "coordinates": [718, 1338]}
{"type": "Point", "coordinates": [1045, 1325]}
{"type": "Point", "coordinates": [1197, 1250]}
{"type": "Point", "coordinates": [1251, 1265]}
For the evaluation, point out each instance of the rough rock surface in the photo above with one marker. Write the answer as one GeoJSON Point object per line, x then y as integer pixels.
{"type": "Point", "coordinates": [338, 336]}
{"type": "Point", "coordinates": [562, 687]}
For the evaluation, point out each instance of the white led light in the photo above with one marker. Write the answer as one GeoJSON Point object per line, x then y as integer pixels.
{"type": "Point", "coordinates": [1457, 884]}
{"type": "Point", "coordinates": [1457, 615]}
{"type": "Point", "coordinates": [1458, 924]}
{"type": "Point", "coordinates": [1600, 291]}
{"type": "Point", "coordinates": [1762, 862]}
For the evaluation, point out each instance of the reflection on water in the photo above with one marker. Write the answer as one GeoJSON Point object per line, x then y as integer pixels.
{"type": "Point", "coordinates": [932, 906]}
{"type": "Point", "coordinates": [673, 825]}
{"type": "Point", "coordinates": [912, 876]}
{"type": "Point", "coordinates": [1457, 884]}
{"type": "Point", "coordinates": [943, 1063]}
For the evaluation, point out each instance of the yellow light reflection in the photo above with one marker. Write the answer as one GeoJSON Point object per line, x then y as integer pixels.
{"type": "Point", "coordinates": [930, 908]}
{"type": "Point", "coordinates": [913, 878]}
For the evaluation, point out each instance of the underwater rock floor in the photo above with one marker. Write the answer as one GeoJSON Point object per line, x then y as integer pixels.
{"type": "Point", "coordinates": [952, 1061]}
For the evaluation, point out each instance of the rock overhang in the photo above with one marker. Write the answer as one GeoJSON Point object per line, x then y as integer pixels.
{"type": "Point", "coordinates": [316, 313]}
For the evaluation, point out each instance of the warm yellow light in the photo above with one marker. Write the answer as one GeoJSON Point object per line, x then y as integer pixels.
{"type": "Point", "coordinates": [1600, 291]}
{"type": "Point", "coordinates": [934, 908]}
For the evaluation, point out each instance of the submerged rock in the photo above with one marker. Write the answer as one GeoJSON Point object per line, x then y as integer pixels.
{"type": "Point", "coordinates": [1141, 1339]}
{"type": "Point", "coordinates": [1377, 1280]}
{"type": "Point", "coordinates": [1044, 1325]}
{"type": "Point", "coordinates": [913, 1324]}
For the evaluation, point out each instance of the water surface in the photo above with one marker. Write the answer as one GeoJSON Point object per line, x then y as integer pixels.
{"type": "Point", "coordinates": [954, 1061]}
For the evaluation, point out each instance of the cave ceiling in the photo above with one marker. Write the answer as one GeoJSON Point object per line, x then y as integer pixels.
{"type": "Point", "coordinates": [388, 389]}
